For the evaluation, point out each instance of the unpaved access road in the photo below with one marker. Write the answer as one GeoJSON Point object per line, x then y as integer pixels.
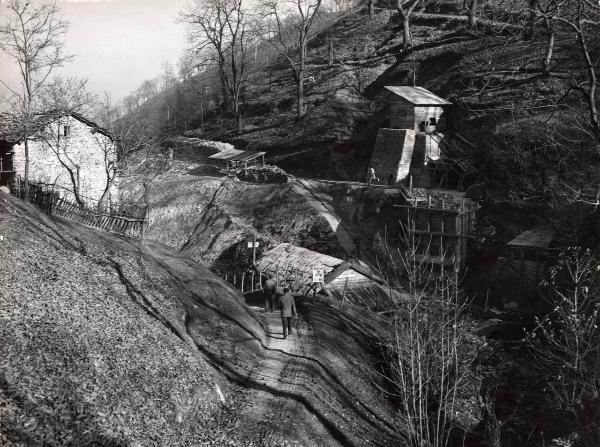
{"type": "Point", "coordinates": [312, 389]}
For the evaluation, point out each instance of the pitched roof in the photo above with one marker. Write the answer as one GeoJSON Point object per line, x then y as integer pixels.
{"type": "Point", "coordinates": [288, 258]}
{"type": "Point", "coordinates": [236, 155]}
{"type": "Point", "coordinates": [418, 96]}
{"type": "Point", "coordinates": [10, 126]}
{"type": "Point", "coordinates": [539, 237]}
{"type": "Point", "coordinates": [226, 154]}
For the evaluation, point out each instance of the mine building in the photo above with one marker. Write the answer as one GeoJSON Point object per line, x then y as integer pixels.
{"type": "Point", "coordinates": [437, 225]}
{"type": "Point", "coordinates": [415, 145]}
{"type": "Point", "coordinates": [529, 254]}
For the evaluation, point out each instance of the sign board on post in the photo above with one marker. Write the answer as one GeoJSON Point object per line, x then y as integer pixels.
{"type": "Point", "coordinates": [253, 244]}
{"type": "Point", "coordinates": [318, 275]}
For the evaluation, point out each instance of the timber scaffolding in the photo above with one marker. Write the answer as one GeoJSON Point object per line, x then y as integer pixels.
{"type": "Point", "coordinates": [48, 199]}
{"type": "Point", "coordinates": [437, 225]}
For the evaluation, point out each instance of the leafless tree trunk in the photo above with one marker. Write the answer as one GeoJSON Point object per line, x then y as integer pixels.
{"type": "Point", "coordinates": [292, 37]}
{"type": "Point", "coordinates": [63, 97]}
{"type": "Point", "coordinates": [371, 7]}
{"type": "Point", "coordinates": [223, 25]}
{"type": "Point", "coordinates": [32, 36]}
{"type": "Point", "coordinates": [582, 17]}
{"type": "Point", "coordinates": [533, 8]}
{"type": "Point", "coordinates": [405, 9]}
{"type": "Point", "coordinates": [471, 7]}
{"type": "Point", "coordinates": [550, 40]}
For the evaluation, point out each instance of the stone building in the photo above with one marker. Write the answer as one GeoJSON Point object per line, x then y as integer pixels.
{"type": "Point", "coordinates": [67, 145]}
{"type": "Point", "coordinates": [417, 120]}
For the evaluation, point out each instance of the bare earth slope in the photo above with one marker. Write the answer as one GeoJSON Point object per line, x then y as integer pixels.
{"type": "Point", "coordinates": [102, 345]}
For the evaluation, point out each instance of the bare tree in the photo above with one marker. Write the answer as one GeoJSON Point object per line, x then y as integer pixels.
{"type": "Point", "coordinates": [148, 89]}
{"type": "Point", "coordinates": [290, 23]}
{"type": "Point", "coordinates": [227, 29]}
{"type": "Point", "coordinates": [32, 36]}
{"type": "Point", "coordinates": [470, 6]}
{"type": "Point", "coordinates": [582, 17]}
{"type": "Point", "coordinates": [371, 8]}
{"type": "Point", "coordinates": [405, 10]}
{"type": "Point", "coordinates": [61, 98]}
{"type": "Point", "coordinates": [107, 114]}
{"type": "Point", "coordinates": [167, 76]}
{"type": "Point", "coordinates": [431, 351]}
{"type": "Point", "coordinates": [566, 341]}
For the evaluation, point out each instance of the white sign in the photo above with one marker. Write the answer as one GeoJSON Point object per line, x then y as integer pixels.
{"type": "Point", "coordinates": [255, 244]}
{"type": "Point", "coordinates": [318, 275]}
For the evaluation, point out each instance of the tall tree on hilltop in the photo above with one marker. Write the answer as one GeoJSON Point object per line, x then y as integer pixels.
{"type": "Point", "coordinates": [405, 10]}
{"type": "Point", "coordinates": [227, 28]}
{"type": "Point", "coordinates": [32, 36]}
{"type": "Point", "coordinates": [289, 26]}
{"type": "Point", "coordinates": [470, 6]}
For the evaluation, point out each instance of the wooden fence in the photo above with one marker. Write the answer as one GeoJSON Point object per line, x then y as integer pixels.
{"type": "Point", "coordinates": [47, 197]}
{"type": "Point", "coordinates": [87, 216]}
{"type": "Point", "coordinates": [251, 281]}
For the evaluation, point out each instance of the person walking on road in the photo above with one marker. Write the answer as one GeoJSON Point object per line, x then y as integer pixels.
{"type": "Point", "coordinates": [270, 289]}
{"type": "Point", "coordinates": [372, 176]}
{"type": "Point", "coordinates": [288, 310]}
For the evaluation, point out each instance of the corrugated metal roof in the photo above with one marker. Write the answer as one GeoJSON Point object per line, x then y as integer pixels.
{"type": "Point", "coordinates": [537, 238]}
{"type": "Point", "coordinates": [247, 156]}
{"type": "Point", "coordinates": [237, 155]}
{"type": "Point", "coordinates": [418, 96]}
{"type": "Point", "coordinates": [226, 154]}
{"type": "Point", "coordinates": [289, 258]}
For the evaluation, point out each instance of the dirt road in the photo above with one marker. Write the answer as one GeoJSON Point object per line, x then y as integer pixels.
{"type": "Point", "coordinates": [311, 389]}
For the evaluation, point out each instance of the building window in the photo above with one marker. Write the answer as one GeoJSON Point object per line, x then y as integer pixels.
{"type": "Point", "coordinates": [432, 121]}
{"type": "Point", "coordinates": [66, 130]}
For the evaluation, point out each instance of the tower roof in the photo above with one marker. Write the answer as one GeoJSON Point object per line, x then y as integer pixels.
{"type": "Point", "coordinates": [418, 96]}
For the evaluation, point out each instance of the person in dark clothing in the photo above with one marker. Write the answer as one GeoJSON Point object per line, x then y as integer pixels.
{"type": "Point", "coordinates": [269, 289]}
{"type": "Point", "coordinates": [288, 310]}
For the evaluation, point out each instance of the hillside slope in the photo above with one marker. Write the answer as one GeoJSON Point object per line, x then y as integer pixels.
{"type": "Point", "coordinates": [103, 345]}
{"type": "Point", "coordinates": [502, 103]}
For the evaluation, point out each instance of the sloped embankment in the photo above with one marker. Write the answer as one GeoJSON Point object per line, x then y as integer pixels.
{"type": "Point", "coordinates": [104, 345]}
{"type": "Point", "coordinates": [94, 345]}
{"type": "Point", "coordinates": [205, 216]}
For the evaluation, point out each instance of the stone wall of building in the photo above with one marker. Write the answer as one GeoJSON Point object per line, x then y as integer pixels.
{"type": "Point", "coordinates": [81, 146]}
{"type": "Point", "coordinates": [392, 154]}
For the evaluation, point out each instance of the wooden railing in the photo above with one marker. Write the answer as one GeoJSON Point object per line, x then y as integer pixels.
{"type": "Point", "coordinates": [109, 222]}
{"type": "Point", "coordinates": [47, 197]}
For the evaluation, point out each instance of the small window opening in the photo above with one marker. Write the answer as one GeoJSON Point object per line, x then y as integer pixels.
{"type": "Point", "coordinates": [66, 130]}
{"type": "Point", "coordinates": [432, 121]}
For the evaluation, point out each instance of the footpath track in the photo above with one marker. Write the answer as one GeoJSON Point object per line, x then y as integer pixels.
{"type": "Point", "coordinates": [306, 188]}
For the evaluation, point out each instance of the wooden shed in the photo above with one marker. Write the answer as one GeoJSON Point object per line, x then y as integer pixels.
{"type": "Point", "coordinates": [529, 253]}
{"type": "Point", "coordinates": [293, 266]}
{"type": "Point", "coordinates": [416, 108]}
{"type": "Point", "coordinates": [438, 224]}
{"type": "Point", "coordinates": [238, 159]}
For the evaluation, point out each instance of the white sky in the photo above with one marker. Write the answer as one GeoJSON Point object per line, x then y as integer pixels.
{"type": "Point", "coordinates": [117, 43]}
